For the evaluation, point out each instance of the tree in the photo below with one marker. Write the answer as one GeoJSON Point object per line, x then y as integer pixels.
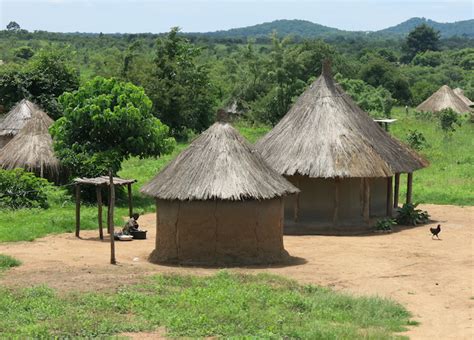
{"type": "Point", "coordinates": [24, 52]}
{"type": "Point", "coordinates": [43, 79]}
{"type": "Point", "coordinates": [179, 87]}
{"type": "Point", "coordinates": [13, 26]}
{"type": "Point", "coordinates": [105, 122]}
{"type": "Point", "coordinates": [421, 39]}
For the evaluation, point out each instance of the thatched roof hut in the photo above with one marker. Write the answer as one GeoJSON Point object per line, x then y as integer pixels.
{"type": "Point", "coordinates": [16, 119]}
{"type": "Point", "coordinates": [218, 202]}
{"type": "Point", "coordinates": [340, 159]}
{"type": "Point", "coordinates": [460, 93]}
{"type": "Point", "coordinates": [444, 98]}
{"type": "Point", "coordinates": [32, 149]}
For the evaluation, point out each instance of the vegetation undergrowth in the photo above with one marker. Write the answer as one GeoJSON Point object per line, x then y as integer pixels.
{"type": "Point", "coordinates": [8, 262]}
{"type": "Point", "coordinates": [227, 305]}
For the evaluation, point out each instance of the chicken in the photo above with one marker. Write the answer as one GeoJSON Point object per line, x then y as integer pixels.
{"type": "Point", "coordinates": [435, 231]}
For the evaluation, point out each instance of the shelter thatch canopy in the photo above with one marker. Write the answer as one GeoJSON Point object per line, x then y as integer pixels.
{"type": "Point", "coordinates": [460, 93]}
{"type": "Point", "coordinates": [16, 119]}
{"type": "Point", "coordinates": [326, 135]}
{"type": "Point", "coordinates": [444, 98]}
{"type": "Point", "coordinates": [218, 165]}
{"type": "Point", "coordinates": [32, 149]}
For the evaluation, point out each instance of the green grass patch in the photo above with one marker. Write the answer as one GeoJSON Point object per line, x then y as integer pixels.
{"type": "Point", "coordinates": [450, 177]}
{"type": "Point", "coordinates": [8, 262]}
{"type": "Point", "coordinates": [227, 305]}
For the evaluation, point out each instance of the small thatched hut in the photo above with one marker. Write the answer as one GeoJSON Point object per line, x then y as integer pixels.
{"type": "Point", "coordinates": [32, 149]}
{"type": "Point", "coordinates": [16, 119]}
{"type": "Point", "coordinates": [460, 93]}
{"type": "Point", "coordinates": [341, 160]}
{"type": "Point", "coordinates": [444, 98]}
{"type": "Point", "coordinates": [218, 202]}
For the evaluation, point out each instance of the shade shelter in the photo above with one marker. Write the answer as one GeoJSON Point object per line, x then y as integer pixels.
{"type": "Point", "coordinates": [32, 150]}
{"type": "Point", "coordinates": [16, 119]}
{"type": "Point", "coordinates": [342, 161]}
{"type": "Point", "coordinates": [218, 202]}
{"type": "Point", "coordinates": [444, 98]}
{"type": "Point", "coordinates": [100, 183]}
{"type": "Point", "coordinates": [460, 93]}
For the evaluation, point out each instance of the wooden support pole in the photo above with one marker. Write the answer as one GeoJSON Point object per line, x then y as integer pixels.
{"type": "Point", "coordinates": [366, 200]}
{"type": "Point", "coordinates": [396, 192]}
{"type": "Point", "coordinates": [111, 218]}
{"type": "Point", "coordinates": [130, 205]}
{"type": "Point", "coordinates": [78, 209]}
{"type": "Point", "coordinates": [389, 196]}
{"type": "Point", "coordinates": [297, 203]}
{"type": "Point", "coordinates": [335, 217]}
{"type": "Point", "coordinates": [99, 210]}
{"type": "Point", "coordinates": [409, 187]}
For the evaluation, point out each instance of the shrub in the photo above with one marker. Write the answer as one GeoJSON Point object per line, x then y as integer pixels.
{"type": "Point", "coordinates": [8, 262]}
{"type": "Point", "coordinates": [21, 189]}
{"type": "Point", "coordinates": [416, 139]}
{"type": "Point", "coordinates": [385, 224]}
{"type": "Point", "coordinates": [409, 215]}
{"type": "Point", "coordinates": [448, 120]}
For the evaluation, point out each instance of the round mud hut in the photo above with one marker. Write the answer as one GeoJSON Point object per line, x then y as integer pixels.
{"type": "Point", "coordinates": [460, 93]}
{"type": "Point", "coordinates": [219, 203]}
{"type": "Point", "coordinates": [444, 98]}
{"type": "Point", "coordinates": [32, 150]}
{"type": "Point", "coordinates": [341, 160]}
{"type": "Point", "coordinates": [16, 119]}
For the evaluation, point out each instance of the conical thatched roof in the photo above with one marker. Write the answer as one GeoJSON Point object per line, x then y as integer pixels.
{"type": "Point", "coordinates": [219, 165]}
{"type": "Point", "coordinates": [444, 98]}
{"type": "Point", "coordinates": [16, 119]}
{"type": "Point", "coordinates": [32, 149]}
{"type": "Point", "coordinates": [326, 135]}
{"type": "Point", "coordinates": [460, 93]}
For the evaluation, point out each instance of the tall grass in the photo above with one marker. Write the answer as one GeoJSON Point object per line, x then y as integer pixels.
{"type": "Point", "coordinates": [226, 305]}
{"type": "Point", "coordinates": [8, 262]}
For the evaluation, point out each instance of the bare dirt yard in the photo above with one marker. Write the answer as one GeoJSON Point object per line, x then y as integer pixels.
{"type": "Point", "coordinates": [433, 279]}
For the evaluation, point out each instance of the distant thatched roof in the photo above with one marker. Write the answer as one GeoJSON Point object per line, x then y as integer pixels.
{"type": "Point", "coordinates": [220, 164]}
{"type": "Point", "coordinates": [460, 93]}
{"type": "Point", "coordinates": [16, 119]}
{"type": "Point", "coordinates": [444, 98]}
{"type": "Point", "coordinates": [32, 149]}
{"type": "Point", "coordinates": [326, 135]}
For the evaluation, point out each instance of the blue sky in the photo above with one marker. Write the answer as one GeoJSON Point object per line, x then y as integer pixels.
{"type": "Point", "coordinates": [209, 15]}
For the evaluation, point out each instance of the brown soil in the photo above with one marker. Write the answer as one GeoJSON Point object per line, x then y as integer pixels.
{"type": "Point", "coordinates": [433, 279]}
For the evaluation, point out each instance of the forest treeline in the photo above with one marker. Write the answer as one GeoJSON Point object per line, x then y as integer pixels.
{"type": "Point", "coordinates": [188, 77]}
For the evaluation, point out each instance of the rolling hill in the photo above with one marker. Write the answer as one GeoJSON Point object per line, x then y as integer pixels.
{"type": "Point", "coordinates": [308, 29]}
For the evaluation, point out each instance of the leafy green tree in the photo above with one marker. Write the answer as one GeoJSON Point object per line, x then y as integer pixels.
{"type": "Point", "coordinates": [448, 120]}
{"type": "Point", "coordinates": [24, 52]}
{"type": "Point", "coordinates": [421, 90]}
{"type": "Point", "coordinates": [105, 122]}
{"type": "Point", "coordinates": [428, 58]}
{"type": "Point", "coordinates": [180, 88]}
{"type": "Point", "coordinates": [43, 79]}
{"type": "Point", "coordinates": [13, 26]}
{"type": "Point", "coordinates": [377, 101]}
{"type": "Point", "coordinates": [422, 38]}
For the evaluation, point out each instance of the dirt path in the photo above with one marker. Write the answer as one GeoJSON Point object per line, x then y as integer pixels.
{"type": "Point", "coordinates": [433, 279]}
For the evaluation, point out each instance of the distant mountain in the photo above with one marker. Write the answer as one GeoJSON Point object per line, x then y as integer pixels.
{"type": "Point", "coordinates": [308, 29]}
{"type": "Point", "coordinates": [459, 28]}
{"type": "Point", "coordinates": [300, 28]}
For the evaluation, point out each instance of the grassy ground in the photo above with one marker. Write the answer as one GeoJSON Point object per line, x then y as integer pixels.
{"type": "Point", "coordinates": [448, 180]}
{"type": "Point", "coordinates": [228, 305]}
{"type": "Point", "coordinates": [450, 177]}
{"type": "Point", "coordinates": [8, 262]}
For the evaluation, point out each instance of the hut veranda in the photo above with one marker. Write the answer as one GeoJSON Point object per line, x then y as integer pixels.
{"type": "Point", "coordinates": [218, 202]}
{"type": "Point", "coordinates": [341, 160]}
{"type": "Point", "coordinates": [16, 119]}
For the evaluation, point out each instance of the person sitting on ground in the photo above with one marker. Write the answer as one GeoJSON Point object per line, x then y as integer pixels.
{"type": "Point", "coordinates": [131, 225]}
